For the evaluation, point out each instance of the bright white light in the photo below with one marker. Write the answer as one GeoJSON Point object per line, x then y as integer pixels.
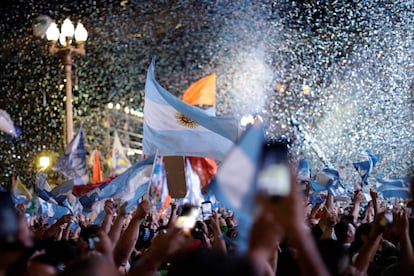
{"type": "Point", "coordinates": [126, 109]}
{"type": "Point", "coordinates": [80, 33]}
{"type": "Point", "coordinates": [44, 162]}
{"type": "Point", "coordinates": [52, 33]}
{"type": "Point", "coordinates": [110, 105]}
{"type": "Point", "coordinates": [67, 28]}
{"type": "Point", "coordinates": [118, 106]}
{"type": "Point", "coordinates": [246, 119]}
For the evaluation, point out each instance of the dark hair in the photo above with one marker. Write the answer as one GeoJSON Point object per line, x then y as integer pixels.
{"type": "Point", "coordinates": [334, 255]}
{"type": "Point", "coordinates": [202, 263]}
{"type": "Point", "coordinates": [83, 266]}
{"type": "Point", "coordinates": [341, 231]}
{"type": "Point", "coordinates": [363, 229]}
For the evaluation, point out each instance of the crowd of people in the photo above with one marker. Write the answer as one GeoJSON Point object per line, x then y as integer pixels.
{"type": "Point", "coordinates": [290, 236]}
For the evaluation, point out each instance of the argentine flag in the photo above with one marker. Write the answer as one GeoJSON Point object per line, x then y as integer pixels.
{"type": "Point", "coordinates": [394, 187]}
{"type": "Point", "coordinates": [365, 165]}
{"type": "Point", "coordinates": [72, 163]}
{"type": "Point", "coordinates": [175, 128]}
{"type": "Point", "coordinates": [328, 180]}
{"type": "Point", "coordinates": [235, 183]}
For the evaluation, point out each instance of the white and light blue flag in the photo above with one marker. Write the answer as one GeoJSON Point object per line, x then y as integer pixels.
{"type": "Point", "coordinates": [194, 195]}
{"type": "Point", "coordinates": [304, 171]}
{"type": "Point", "coordinates": [72, 164]}
{"type": "Point", "coordinates": [235, 182]}
{"type": "Point", "coordinates": [129, 187]}
{"type": "Point", "coordinates": [365, 165]}
{"type": "Point", "coordinates": [62, 191]}
{"type": "Point", "coordinates": [43, 189]}
{"type": "Point", "coordinates": [391, 187]}
{"type": "Point", "coordinates": [328, 179]}
{"type": "Point", "coordinates": [175, 128]}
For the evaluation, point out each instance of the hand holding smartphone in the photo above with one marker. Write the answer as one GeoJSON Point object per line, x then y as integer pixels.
{"type": "Point", "coordinates": [206, 210]}
{"type": "Point", "coordinates": [274, 174]}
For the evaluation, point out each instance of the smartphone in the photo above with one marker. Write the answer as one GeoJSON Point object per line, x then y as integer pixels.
{"type": "Point", "coordinates": [91, 242]}
{"type": "Point", "coordinates": [274, 174]}
{"type": "Point", "coordinates": [187, 219]}
{"type": "Point", "coordinates": [206, 210]}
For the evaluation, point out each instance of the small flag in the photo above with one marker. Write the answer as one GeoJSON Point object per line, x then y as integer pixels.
{"type": "Point", "coordinates": [158, 189]}
{"type": "Point", "coordinates": [20, 189]}
{"type": "Point", "coordinates": [72, 163]}
{"type": "Point", "coordinates": [202, 92]}
{"type": "Point", "coordinates": [304, 171]}
{"type": "Point", "coordinates": [43, 189]}
{"type": "Point", "coordinates": [193, 196]}
{"type": "Point", "coordinates": [365, 165]}
{"type": "Point", "coordinates": [120, 163]}
{"type": "Point", "coordinates": [6, 124]}
{"type": "Point", "coordinates": [96, 168]}
{"type": "Point", "coordinates": [398, 187]}
{"type": "Point", "coordinates": [328, 179]}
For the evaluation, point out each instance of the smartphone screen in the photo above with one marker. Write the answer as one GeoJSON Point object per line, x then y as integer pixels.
{"type": "Point", "coordinates": [274, 174]}
{"type": "Point", "coordinates": [188, 218]}
{"type": "Point", "coordinates": [206, 210]}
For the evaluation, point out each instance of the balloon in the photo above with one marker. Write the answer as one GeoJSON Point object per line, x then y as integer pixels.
{"type": "Point", "coordinates": [6, 124]}
{"type": "Point", "coordinates": [41, 24]}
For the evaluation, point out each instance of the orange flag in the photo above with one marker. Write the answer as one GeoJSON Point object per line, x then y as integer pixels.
{"type": "Point", "coordinates": [202, 92]}
{"type": "Point", "coordinates": [96, 169]}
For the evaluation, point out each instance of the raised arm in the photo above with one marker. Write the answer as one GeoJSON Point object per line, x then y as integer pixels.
{"type": "Point", "coordinates": [126, 243]}
{"type": "Point", "coordinates": [116, 228]}
{"type": "Point", "coordinates": [358, 198]}
{"type": "Point", "coordinates": [109, 215]}
{"type": "Point", "coordinates": [218, 244]}
{"type": "Point", "coordinates": [406, 249]}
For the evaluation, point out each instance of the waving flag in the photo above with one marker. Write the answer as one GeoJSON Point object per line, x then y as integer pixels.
{"type": "Point", "coordinates": [202, 92]}
{"type": "Point", "coordinates": [365, 165]}
{"type": "Point", "coordinates": [328, 179]}
{"type": "Point", "coordinates": [175, 128]}
{"type": "Point", "coordinates": [72, 164]}
{"type": "Point", "coordinates": [119, 163]}
{"type": "Point", "coordinates": [96, 168]}
{"type": "Point", "coordinates": [62, 191]}
{"type": "Point", "coordinates": [304, 171]}
{"type": "Point", "coordinates": [51, 211]}
{"type": "Point", "coordinates": [234, 185]}
{"type": "Point", "coordinates": [6, 124]}
{"type": "Point", "coordinates": [20, 189]}
{"type": "Point", "coordinates": [43, 189]}
{"type": "Point", "coordinates": [394, 187]}
{"type": "Point", "coordinates": [158, 189]}
{"type": "Point", "coordinates": [193, 195]}
{"type": "Point", "coordinates": [127, 187]}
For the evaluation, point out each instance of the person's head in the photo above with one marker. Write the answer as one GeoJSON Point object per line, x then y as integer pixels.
{"type": "Point", "coordinates": [93, 265]}
{"type": "Point", "coordinates": [344, 231]}
{"type": "Point", "coordinates": [210, 263]}
{"type": "Point", "coordinates": [361, 235]}
{"type": "Point", "coordinates": [335, 256]}
{"type": "Point", "coordinates": [43, 264]}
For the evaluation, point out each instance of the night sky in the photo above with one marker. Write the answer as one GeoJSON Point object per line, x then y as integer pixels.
{"type": "Point", "coordinates": [355, 57]}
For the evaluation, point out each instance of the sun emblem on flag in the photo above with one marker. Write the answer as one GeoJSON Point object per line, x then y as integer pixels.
{"type": "Point", "coordinates": [185, 121]}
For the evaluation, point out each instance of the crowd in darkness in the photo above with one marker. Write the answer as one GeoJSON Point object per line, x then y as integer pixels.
{"type": "Point", "coordinates": [290, 236]}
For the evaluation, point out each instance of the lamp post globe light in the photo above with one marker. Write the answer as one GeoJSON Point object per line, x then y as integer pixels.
{"type": "Point", "coordinates": [67, 42]}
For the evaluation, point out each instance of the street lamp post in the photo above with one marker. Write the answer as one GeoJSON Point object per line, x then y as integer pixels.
{"type": "Point", "coordinates": [62, 43]}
